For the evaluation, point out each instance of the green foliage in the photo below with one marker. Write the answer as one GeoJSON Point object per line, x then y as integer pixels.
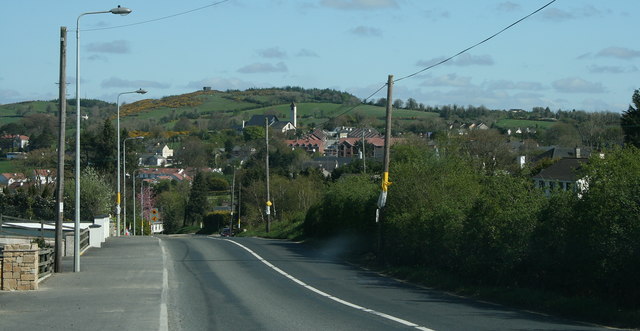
{"type": "Point", "coordinates": [170, 195]}
{"type": "Point", "coordinates": [197, 204]}
{"type": "Point", "coordinates": [96, 195]}
{"type": "Point", "coordinates": [499, 227]}
{"type": "Point", "coordinates": [427, 205]}
{"type": "Point", "coordinates": [608, 229]}
{"type": "Point", "coordinates": [252, 133]}
{"type": "Point", "coordinates": [347, 206]}
{"type": "Point", "coordinates": [630, 121]}
{"type": "Point", "coordinates": [212, 222]}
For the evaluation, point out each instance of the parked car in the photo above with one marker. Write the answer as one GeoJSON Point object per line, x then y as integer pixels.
{"type": "Point", "coordinates": [226, 232]}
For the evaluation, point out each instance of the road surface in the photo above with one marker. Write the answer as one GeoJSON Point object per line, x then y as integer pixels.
{"type": "Point", "coordinates": [258, 284]}
{"type": "Point", "coordinates": [211, 283]}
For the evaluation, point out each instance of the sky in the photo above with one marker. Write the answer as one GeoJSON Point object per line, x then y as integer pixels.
{"type": "Point", "coordinates": [574, 54]}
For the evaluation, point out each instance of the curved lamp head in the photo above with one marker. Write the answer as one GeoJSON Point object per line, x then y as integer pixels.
{"type": "Point", "coordinates": [141, 91]}
{"type": "Point", "coordinates": [120, 10]}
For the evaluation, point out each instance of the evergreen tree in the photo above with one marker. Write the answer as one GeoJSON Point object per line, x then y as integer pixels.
{"type": "Point", "coordinates": [630, 121]}
{"type": "Point", "coordinates": [197, 204]}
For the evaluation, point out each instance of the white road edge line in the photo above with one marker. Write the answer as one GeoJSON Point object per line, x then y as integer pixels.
{"type": "Point", "coordinates": [164, 316]}
{"type": "Point", "coordinates": [329, 296]}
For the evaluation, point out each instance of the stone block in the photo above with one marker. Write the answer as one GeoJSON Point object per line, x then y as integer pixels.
{"type": "Point", "coordinates": [29, 258]}
{"type": "Point", "coordinates": [10, 284]}
{"type": "Point", "coordinates": [28, 276]}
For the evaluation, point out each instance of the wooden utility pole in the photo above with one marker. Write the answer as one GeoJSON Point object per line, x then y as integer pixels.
{"type": "Point", "coordinates": [233, 190]}
{"type": "Point", "coordinates": [387, 145]}
{"type": "Point", "coordinates": [382, 200]}
{"type": "Point", "coordinates": [364, 154]}
{"type": "Point", "coordinates": [268, 204]}
{"type": "Point", "coordinates": [62, 99]}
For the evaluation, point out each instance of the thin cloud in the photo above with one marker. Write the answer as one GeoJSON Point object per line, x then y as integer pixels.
{"type": "Point", "coordinates": [611, 69]}
{"type": "Point", "coordinates": [619, 52]}
{"type": "Point", "coordinates": [306, 53]}
{"type": "Point", "coordinates": [450, 80]}
{"type": "Point", "coordinates": [359, 4]}
{"type": "Point", "coordinates": [272, 53]}
{"type": "Point", "coordinates": [435, 15]}
{"type": "Point", "coordinates": [462, 60]}
{"type": "Point", "coordinates": [365, 31]}
{"type": "Point", "coordinates": [577, 85]}
{"type": "Point", "coordinates": [468, 59]}
{"type": "Point", "coordinates": [509, 6]}
{"type": "Point", "coordinates": [555, 14]}
{"type": "Point", "coordinates": [263, 68]}
{"type": "Point", "coordinates": [144, 84]}
{"type": "Point", "coordinates": [511, 85]}
{"type": "Point", "coordinates": [114, 47]}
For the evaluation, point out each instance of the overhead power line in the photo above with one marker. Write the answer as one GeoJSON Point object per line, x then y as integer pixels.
{"type": "Point", "coordinates": [453, 56]}
{"type": "Point", "coordinates": [162, 18]}
{"type": "Point", "coordinates": [477, 44]}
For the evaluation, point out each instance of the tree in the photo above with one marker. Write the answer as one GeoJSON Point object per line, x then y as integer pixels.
{"type": "Point", "coordinates": [96, 195]}
{"type": "Point", "coordinates": [562, 134]}
{"type": "Point", "coordinates": [382, 102]}
{"type": "Point", "coordinates": [170, 196]}
{"type": "Point", "coordinates": [630, 121]}
{"type": "Point", "coordinates": [193, 153]}
{"type": "Point", "coordinates": [252, 133]}
{"type": "Point", "coordinates": [398, 103]}
{"type": "Point", "coordinates": [197, 205]}
{"type": "Point", "coordinates": [104, 159]}
{"type": "Point", "coordinates": [412, 104]}
{"type": "Point", "coordinates": [606, 234]}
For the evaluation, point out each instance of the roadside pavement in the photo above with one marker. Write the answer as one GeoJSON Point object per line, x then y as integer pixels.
{"type": "Point", "coordinates": [119, 287]}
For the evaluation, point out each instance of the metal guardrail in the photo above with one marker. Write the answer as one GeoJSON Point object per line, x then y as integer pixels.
{"type": "Point", "coordinates": [84, 239]}
{"type": "Point", "coordinates": [7, 219]}
{"type": "Point", "coordinates": [45, 262]}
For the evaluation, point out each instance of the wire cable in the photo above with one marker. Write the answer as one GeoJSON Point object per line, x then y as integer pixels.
{"type": "Point", "coordinates": [477, 44]}
{"type": "Point", "coordinates": [161, 18]}
{"type": "Point", "coordinates": [453, 56]}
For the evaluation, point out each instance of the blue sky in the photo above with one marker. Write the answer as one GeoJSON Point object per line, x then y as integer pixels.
{"type": "Point", "coordinates": [574, 54]}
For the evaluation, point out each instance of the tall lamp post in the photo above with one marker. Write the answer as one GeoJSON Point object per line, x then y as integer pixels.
{"type": "Point", "coordinates": [141, 91]}
{"type": "Point", "coordinates": [76, 236]}
{"type": "Point", "coordinates": [133, 198]}
{"type": "Point", "coordinates": [124, 187]}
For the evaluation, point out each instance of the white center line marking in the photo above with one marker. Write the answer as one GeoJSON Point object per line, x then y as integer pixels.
{"type": "Point", "coordinates": [329, 296]}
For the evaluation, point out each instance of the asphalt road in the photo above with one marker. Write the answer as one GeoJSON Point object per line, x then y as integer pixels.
{"type": "Point", "coordinates": [258, 284]}
{"type": "Point", "coordinates": [211, 283]}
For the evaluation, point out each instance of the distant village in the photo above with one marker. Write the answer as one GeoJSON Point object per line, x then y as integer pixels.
{"type": "Point", "coordinates": [330, 148]}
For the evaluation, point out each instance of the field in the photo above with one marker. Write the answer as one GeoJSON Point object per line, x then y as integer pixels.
{"type": "Point", "coordinates": [516, 123]}
{"type": "Point", "coordinates": [8, 166]}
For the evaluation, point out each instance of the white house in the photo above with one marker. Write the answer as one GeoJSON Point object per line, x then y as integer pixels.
{"type": "Point", "coordinates": [7, 178]}
{"type": "Point", "coordinates": [165, 152]}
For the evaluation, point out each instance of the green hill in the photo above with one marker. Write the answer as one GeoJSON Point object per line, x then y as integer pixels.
{"type": "Point", "coordinates": [314, 107]}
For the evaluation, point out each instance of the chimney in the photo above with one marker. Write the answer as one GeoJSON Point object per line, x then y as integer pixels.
{"type": "Point", "coordinates": [577, 152]}
{"type": "Point", "coordinates": [294, 115]}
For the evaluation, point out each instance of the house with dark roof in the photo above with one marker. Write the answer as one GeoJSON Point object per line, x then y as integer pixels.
{"type": "Point", "coordinates": [562, 175]}
{"type": "Point", "coordinates": [554, 153]}
{"type": "Point", "coordinates": [272, 120]}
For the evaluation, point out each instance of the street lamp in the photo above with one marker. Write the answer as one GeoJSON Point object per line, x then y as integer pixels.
{"type": "Point", "coordinates": [124, 187]}
{"type": "Point", "coordinates": [133, 198]}
{"type": "Point", "coordinates": [76, 237]}
{"type": "Point", "coordinates": [141, 91]}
